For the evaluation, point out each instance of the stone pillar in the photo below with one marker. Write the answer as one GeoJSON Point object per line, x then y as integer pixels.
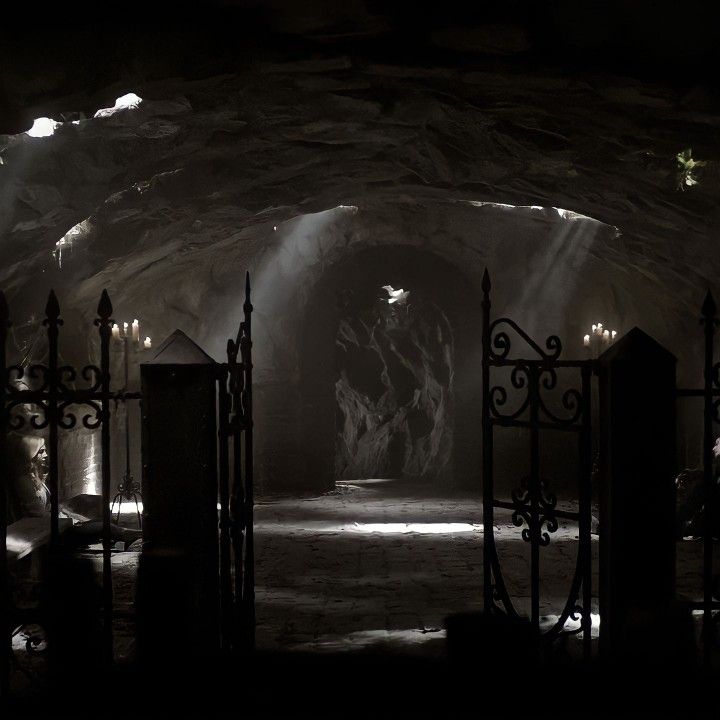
{"type": "Point", "coordinates": [178, 576]}
{"type": "Point", "coordinates": [637, 496]}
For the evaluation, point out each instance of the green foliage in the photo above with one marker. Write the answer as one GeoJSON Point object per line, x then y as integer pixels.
{"type": "Point", "coordinates": [687, 167]}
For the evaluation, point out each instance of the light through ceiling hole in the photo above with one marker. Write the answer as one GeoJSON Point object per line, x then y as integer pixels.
{"type": "Point", "coordinates": [42, 127]}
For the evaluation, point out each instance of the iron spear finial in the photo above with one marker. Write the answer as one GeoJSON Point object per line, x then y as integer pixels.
{"type": "Point", "coordinates": [4, 310]}
{"type": "Point", "coordinates": [104, 309]}
{"type": "Point", "coordinates": [709, 309]}
{"type": "Point", "coordinates": [247, 307]}
{"type": "Point", "coordinates": [52, 309]}
{"type": "Point", "coordinates": [486, 284]}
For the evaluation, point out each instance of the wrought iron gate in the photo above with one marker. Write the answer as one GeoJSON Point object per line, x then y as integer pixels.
{"type": "Point", "coordinates": [52, 393]}
{"type": "Point", "coordinates": [50, 390]}
{"type": "Point", "coordinates": [533, 506]}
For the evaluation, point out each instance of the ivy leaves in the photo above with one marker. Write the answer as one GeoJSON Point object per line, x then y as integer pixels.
{"type": "Point", "coordinates": [686, 168]}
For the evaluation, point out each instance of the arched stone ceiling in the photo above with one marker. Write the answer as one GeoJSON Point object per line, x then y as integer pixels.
{"type": "Point", "coordinates": [166, 204]}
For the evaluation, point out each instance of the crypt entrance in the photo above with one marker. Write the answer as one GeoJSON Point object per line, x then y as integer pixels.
{"type": "Point", "coordinates": [388, 383]}
{"type": "Point", "coordinates": [390, 398]}
{"type": "Point", "coordinates": [369, 523]}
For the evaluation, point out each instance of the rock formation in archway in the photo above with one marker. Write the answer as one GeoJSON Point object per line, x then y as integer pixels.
{"type": "Point", "coordinates": [394, 393]}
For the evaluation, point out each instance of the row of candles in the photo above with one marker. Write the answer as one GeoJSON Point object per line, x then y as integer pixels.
{"type": "Point", "coordinates": [132, 332]}
{"type": "Point", "coordinates": [606, 337]}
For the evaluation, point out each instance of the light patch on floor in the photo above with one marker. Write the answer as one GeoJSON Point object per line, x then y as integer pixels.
{"type": "Point", "coordinates": [420, 528]}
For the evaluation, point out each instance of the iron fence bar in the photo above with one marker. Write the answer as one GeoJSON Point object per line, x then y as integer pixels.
{"type": "Point", "coordinates": [493, 582]}
{"type": "Point", "coordinates": [692, 392]}
{"type": "Point", "coordinates": [534, 487]}
{"type": "Point", "coordinates": [120, 396]}
{"type": "Point", "coordinates": [529, 424]}
{"type": "Point", "coordinates": [585, 509]}
{"type": "Point", "coordinates": [126, 368]}
{"type": "Point", "coordinates": [710, 323]}
{"type": "Point", "coordinates": [5, 627]}
{"type": "Point", "coordinates": [224, 492]}
{"type": "Point", "coordinates": [248, 514]}
{"type": "Point", "coordinates": [563, 514]}
{"type": "Point", "coordinates": [545, 363]}
{"type": "Point", "coordinates": [103, 323]}
{"type": "Point", "coordinates": [487, 450]}
{"type": "Point", "coordinates": [52, 322]}
{"type": "Point", "coordinates": [237, 529]}
{"type": "Point", "coordinates": [75, 397]}
{"type": "Point", "coordinates": [238, 532]}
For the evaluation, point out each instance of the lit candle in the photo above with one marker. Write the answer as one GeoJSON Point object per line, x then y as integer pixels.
{"type": "Point", "coordinates": [613, 334]}
{"type": "Point", "coordinates": [136, 331]}
{"type": "Point", "coordinates": [606, 337]}
{"type": "Point", "coordinates": [148, 343]}
{"type": "Point", "coordinates": [599, 329]}
{"type": "Point", "coordinates": [116, 331]}
{"type": "Point", "coordinates": [125, 328]}
{"type": "Point", "coordinates": [586, 341]}
{"type": "Point", "coordinates": [594, 329]}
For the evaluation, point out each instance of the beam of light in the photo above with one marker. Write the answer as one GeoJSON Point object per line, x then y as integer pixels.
{"type": "Point", "coordinates": [548, 621]}
{"type": "Point", "coordinates": [322, 527]}
{"type": "Point", "coordinates": [369, 638]}
{"type": "Point", "coordinates": [92, 483]}
{"type": "Point", "coordinates": [564, 214]}
{"type": "Point", "coordinates": [16, 544]}
{"type": "Point", "coordinates": [130, 101]}
{"type": "Point", "coordinates": [293, 261]}
{"type": "Point", "coordinates": [65, 244]}
{"type": "Point", "coordinates": [364, 481]}
{"type": "Point", "coordinates": [128, 506]}
{"type": "Point", "coordinates": [419, 528]}
{"type": "Point", "coordinates": [42, 127]}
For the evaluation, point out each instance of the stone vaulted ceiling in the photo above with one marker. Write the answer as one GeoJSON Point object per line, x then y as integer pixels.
{"type": "Point", "coordinates": [167, 204]}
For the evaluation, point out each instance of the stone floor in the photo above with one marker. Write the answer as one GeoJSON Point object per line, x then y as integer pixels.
{"type": "Point", "coordinates": [376, 564]}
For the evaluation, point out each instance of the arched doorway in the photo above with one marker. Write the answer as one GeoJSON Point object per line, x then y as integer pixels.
{"type": "Point", "coordinates": [392, 389]}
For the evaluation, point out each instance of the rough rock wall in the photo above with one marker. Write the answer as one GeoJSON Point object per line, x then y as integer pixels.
{"type": "Point", "coordinates": [167, 204]}
{"type": "Point", "coordinates": [394, 394]}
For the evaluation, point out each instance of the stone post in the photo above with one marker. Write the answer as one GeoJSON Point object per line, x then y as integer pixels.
{"type": "Point", "coordinates": [178, 586]}
{"type": "Point", "coordinates": [637, 495]}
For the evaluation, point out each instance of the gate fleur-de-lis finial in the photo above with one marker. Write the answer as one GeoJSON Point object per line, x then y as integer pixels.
{"type": "Point", "coordinates": [247, 306]}
{"type": "Point", "coordinates": [4, 310]}
{"type": "Point", "coordinates": [52, 308]}
{"type": "Point", "coordinates": [709, 309]}
{"type": "Point", "coordinates": [486, 285]}
{"type": "Point", "coordinates": [104, 309]}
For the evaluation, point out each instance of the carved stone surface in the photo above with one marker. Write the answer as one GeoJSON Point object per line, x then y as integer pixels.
{"type": "Point", "coordinates": [394, 392]}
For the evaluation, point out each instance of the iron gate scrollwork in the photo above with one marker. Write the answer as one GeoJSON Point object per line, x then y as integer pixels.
{"type": "Point", "coordinates": [51, 398]}
{"type": "Point", "coordinates": [51, 391]}
{"type": "Point", "coordinates": [534, 508]}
